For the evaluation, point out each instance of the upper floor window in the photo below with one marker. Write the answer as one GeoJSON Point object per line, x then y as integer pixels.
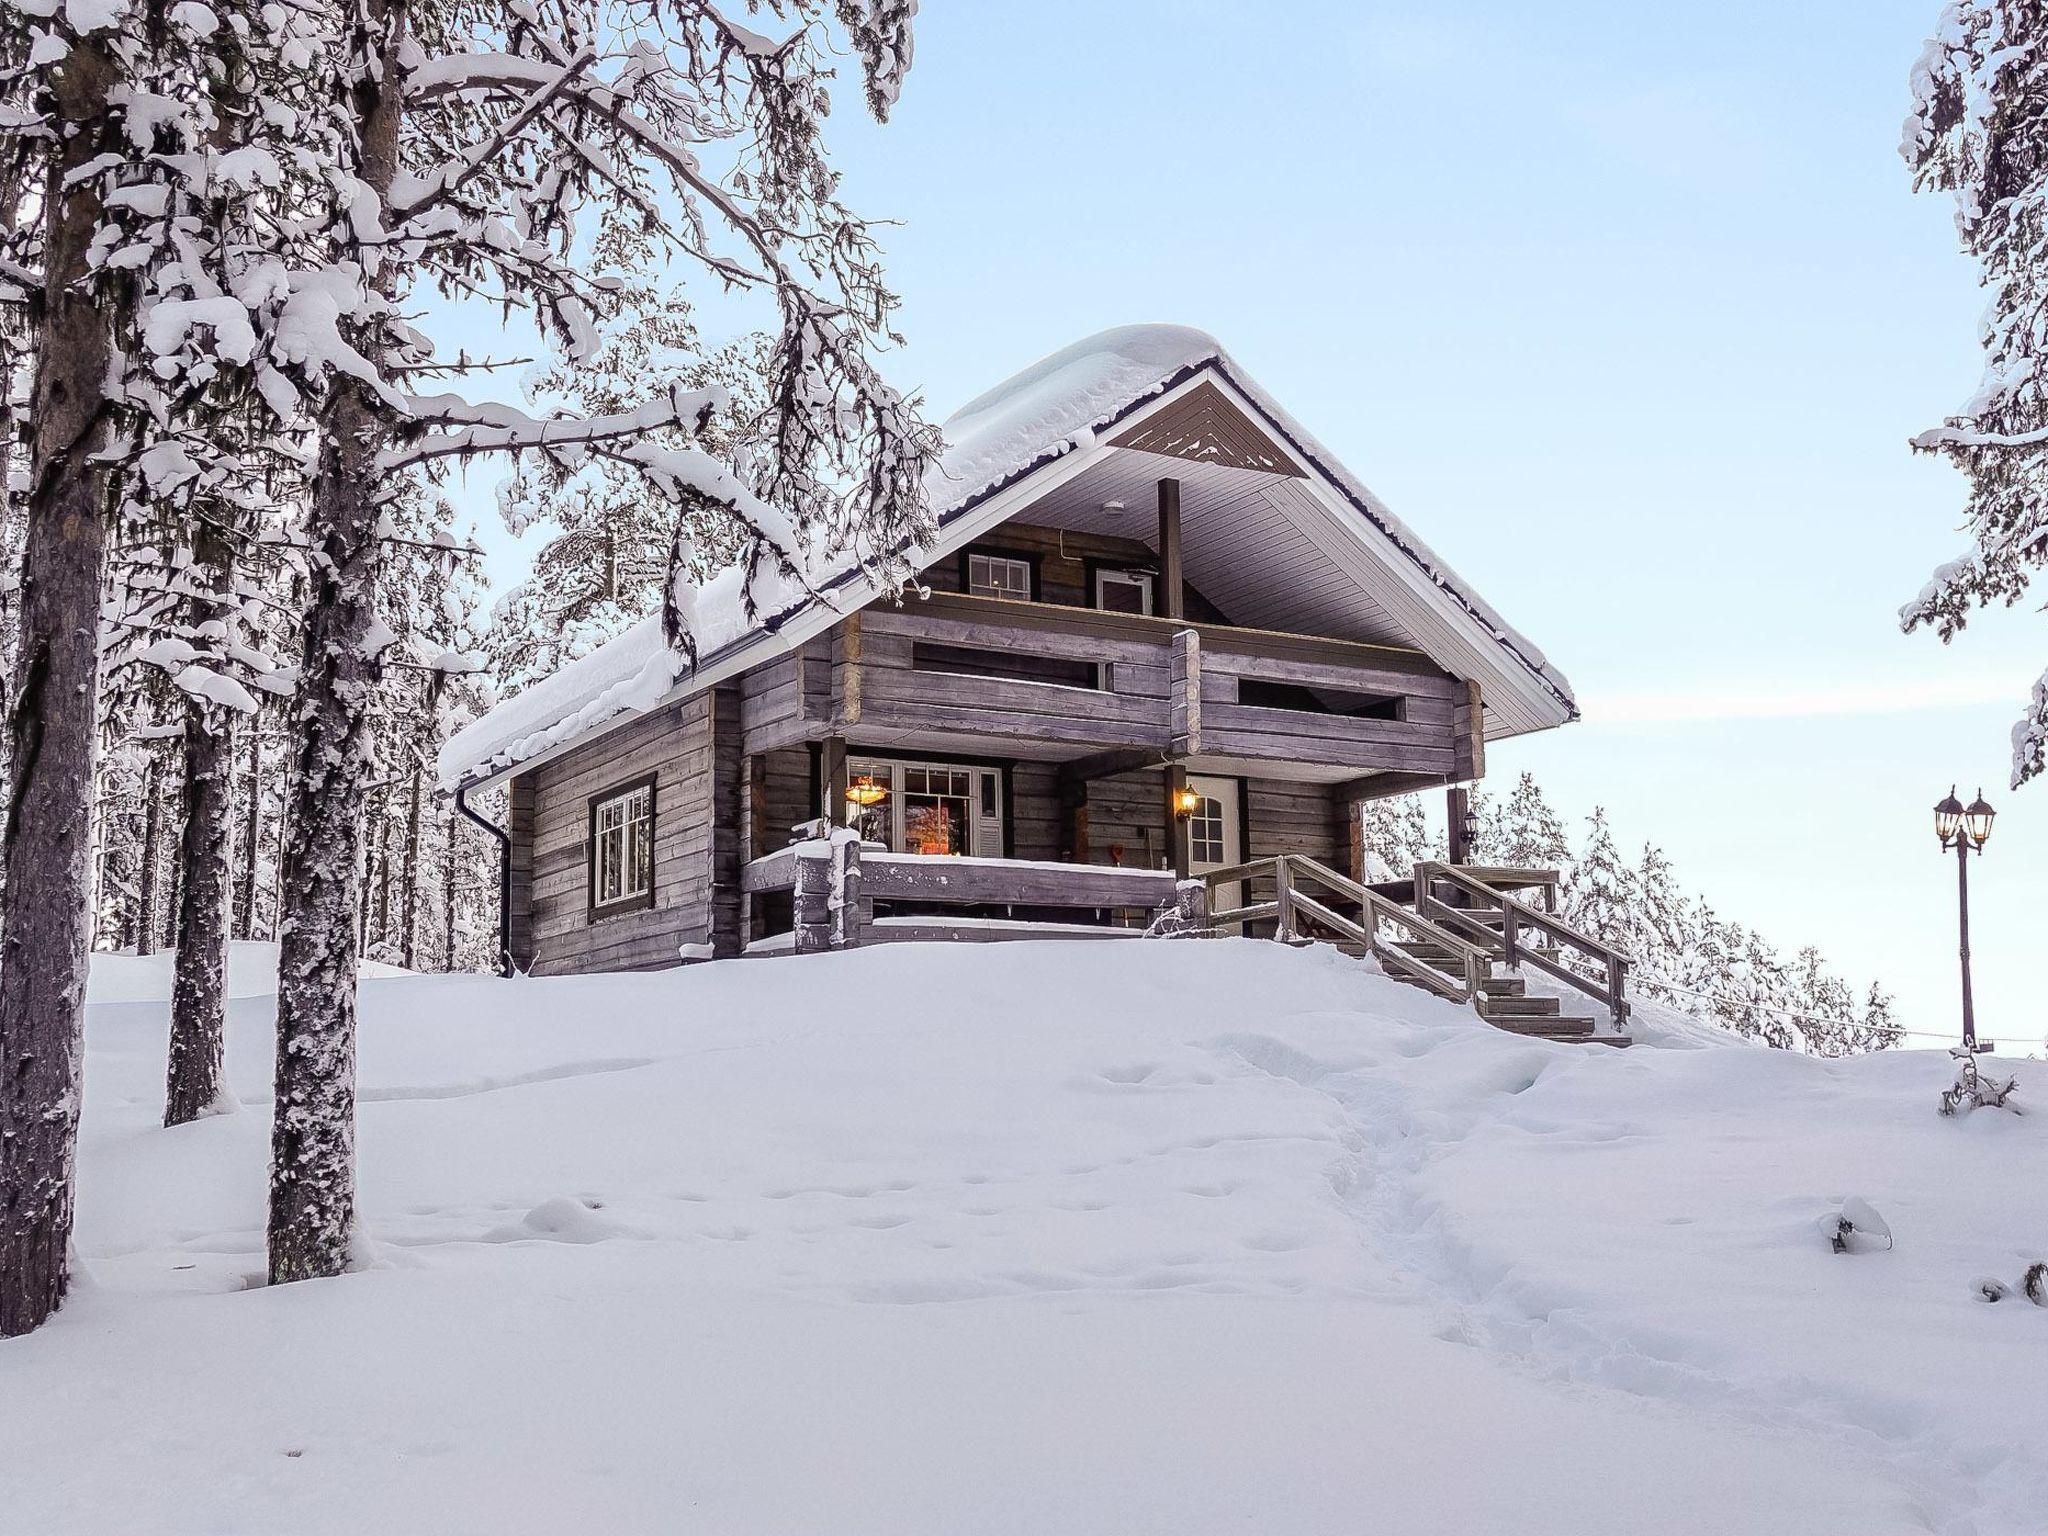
{"type": "Point", "coordinates": [622, 849]}
{"type": "Point", "coordinates": [999, 576]}
{"type": "Point", "coordinates": [1123, 591]}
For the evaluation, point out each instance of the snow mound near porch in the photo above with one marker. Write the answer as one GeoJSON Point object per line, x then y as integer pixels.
{"type": "Point", "coordinates": [1047, 1238]}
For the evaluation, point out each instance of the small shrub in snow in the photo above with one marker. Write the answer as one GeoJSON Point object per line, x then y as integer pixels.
{"type": "Point", "coordinates": [1973, 1089]}
{"type": "Point", "coordinates": [2033, 1285]}
{"type": "Point", "coordinates": [1856, 1228]}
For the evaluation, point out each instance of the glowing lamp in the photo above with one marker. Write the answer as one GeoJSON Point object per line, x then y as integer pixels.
{"type": "Point", "coordinates": [866, 791]}
{"type": "Point", "coordinates": [1977, 820]}
{"type": "Point", "coordinates": [1948, 815]}
{"type": "Point", "coordinates": [1186, 802]}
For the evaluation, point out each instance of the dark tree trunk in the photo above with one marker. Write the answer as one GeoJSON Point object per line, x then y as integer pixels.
{"type": "Point", "coordinates": [47, 844]}
{"type": "Point", "coordinates": [409, 890]}
{"type": "Point", "coordinates": [373, 816]}
{"type": "Point", "coordinates": [252, 834]}
{"type": "Point", "coordinates": [150, 861]}
{"type": "Point", "coordinates": [383, 874]}
{"type": "Point", "coordinates": [199, 980]}
{"type": "Point", "coordinates": [448, 858]}
{"type": "Point", "coordinates": [312, 1147]}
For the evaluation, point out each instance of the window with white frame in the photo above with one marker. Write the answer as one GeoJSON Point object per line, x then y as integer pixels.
{"type": "Point", "coordinates": [622, 849]}
{"type": "Point", "coordinates": [999, 576]}
{"type": "Point", "coordinates": [927, 808]}
{"type": "Point", "coordinates": [1205, 832]}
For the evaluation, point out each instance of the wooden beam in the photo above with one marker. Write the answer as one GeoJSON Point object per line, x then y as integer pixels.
{"type": "Point", "coordinates": [1171, 581]}
{"type": "Point", "coordinates": [1382, 786]}
{"type": "Point", "coordinates": [1103, 765]}
{"type": "Point", "coordinates": [1468, 725]}
{"type": "Point", "coordinates": [1456, 801]}
{"type": "Point", "coordinates": [846, 672]}
{"type": "Point", "coordinates": [1186, 731]}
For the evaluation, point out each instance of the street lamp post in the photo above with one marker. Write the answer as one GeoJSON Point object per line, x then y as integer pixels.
{"type": "Point", "coordinates": [1964, 828]}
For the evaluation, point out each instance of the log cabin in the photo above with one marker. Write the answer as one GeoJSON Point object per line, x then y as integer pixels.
{"type": "Point", "coordinates": [1161, 633]}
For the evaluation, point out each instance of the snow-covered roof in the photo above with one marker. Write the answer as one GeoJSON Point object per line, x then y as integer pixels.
{"type": "Point", "coordinates": [1057, 407]}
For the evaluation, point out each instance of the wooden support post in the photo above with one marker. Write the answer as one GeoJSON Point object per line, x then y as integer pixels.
{"type": "Point", "coordinates": [1354, 836]}
{"type": "Point", "coordinates": [1168, 598]}
{"type": "Point", "coordinates": [813, 898]}
{"type": "Point", "coordinates": [845, 902]}
{"type": "Point", "coordinates": [832, 780]}
{"type": "Point", "coordinates": [1283, 897]}
{"type": "Point", "coordinates": [1456, 803]}
{"type": "Point", "coordinates": [1177, 824]}
{"type": "Point", "coordinates": [1073, 792]}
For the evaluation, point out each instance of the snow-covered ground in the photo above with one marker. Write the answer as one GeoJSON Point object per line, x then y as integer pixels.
{"type": "Point", "coordinates": [1037, 1239]}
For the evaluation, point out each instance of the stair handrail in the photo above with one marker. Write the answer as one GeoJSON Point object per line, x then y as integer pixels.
{"type": "Point", "coordinates": [1291, 903]}
{"type": "Point", "coordinates": [1516, 914]}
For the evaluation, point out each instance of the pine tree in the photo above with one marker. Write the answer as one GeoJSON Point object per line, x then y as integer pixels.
{"type": "Point", "coordinates": [1530, 835]}
{"type": "Point", "coordinates": [1979, 130]}
{"type": "Point", "coordinates": [76, 139]}
{"type": "Point", "coordinates": [1665, 928]}
{"type": "Point", "coordinates": [1395, 835]}
{"type": "Point", "coordinates": [441, 147]}
{"type": "Point", "coordinates": [1600, 892]}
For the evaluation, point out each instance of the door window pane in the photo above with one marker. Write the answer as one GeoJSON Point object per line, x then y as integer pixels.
{"type": "Point", "coordinates": [1205, 833]}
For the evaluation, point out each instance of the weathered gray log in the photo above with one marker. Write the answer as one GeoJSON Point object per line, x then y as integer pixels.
{"type": "Point", "coordinates": [813, 898]}
{"type": "Point", "coordinates": [1186, 725]}
{"type": "Point", "coordinates": [975, 882]}
{"type": "Point", "coordinates": [846, 897]}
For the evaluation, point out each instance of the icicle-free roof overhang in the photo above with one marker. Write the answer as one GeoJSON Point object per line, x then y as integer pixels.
{"type": "Point", "coordinates": [1278, 532]}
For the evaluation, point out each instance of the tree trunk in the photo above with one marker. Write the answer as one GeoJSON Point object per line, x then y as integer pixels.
{"type": "Point", "coordinates": [312, 1148]}
{"type": "Point", "coordinates": [409, 890]}
{"type": "Point", "coordinates": [149, 861]}
{"type": "Point", "coordinates": [199, 981]}
{"type": "Point", "coordinates": [46, 848]}
{"type": "Point", "coordinates": [372, 816]}
{"type": "Point", "coordinates": [383, 874]}
{"type": "Point", "coordinates": [448, 856]}
{"type": "Point", "coordinates": [252, 834]}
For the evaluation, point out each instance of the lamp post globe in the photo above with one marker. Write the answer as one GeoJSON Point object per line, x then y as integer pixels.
{"type": "Point", "coordinates": [1977, 820]}
{"type": "Point", "coordinates": [1948, 815]}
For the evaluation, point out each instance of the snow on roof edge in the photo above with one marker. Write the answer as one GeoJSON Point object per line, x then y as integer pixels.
{"type": "Point", "coordinates": [1056, 406]}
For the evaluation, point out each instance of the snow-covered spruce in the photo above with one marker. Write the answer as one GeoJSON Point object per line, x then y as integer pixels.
{"type": "Point", "coordinates": [1978, 131]}
{"type": "Point", "coordinates": [468, 154]}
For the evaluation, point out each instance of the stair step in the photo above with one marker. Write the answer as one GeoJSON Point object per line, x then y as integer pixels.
{"type": "Point", "coordinates": [1551, 1028]}
{"type": "Point", "coordinates": [1507, 1006]}
{"type": "Point", "coordinates": [1503, 986]}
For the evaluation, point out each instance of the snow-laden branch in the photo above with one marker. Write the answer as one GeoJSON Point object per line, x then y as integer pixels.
{"type": "Point", "coordinates": [490, 426]}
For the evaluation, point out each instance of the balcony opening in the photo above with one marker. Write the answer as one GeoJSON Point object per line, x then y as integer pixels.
{"type": "Point", "coordinates": [1319, 701]}
{"type": "Point", "coordinates": [966, 661]}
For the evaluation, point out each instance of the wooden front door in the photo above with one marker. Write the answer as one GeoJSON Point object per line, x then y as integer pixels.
{"type": "Point", "coordinates": [1215, 835]}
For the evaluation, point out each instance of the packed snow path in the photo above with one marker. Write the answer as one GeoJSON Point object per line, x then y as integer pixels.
{"type": "Point", "coordinates": [1040, 1239]}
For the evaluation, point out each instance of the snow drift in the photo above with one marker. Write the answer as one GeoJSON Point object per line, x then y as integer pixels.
{"type": "Point", "coordinates": [1047, 1238]}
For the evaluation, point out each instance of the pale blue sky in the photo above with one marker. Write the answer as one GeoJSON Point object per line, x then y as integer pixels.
{"type": "Point", "coordinates": [1628, 309]}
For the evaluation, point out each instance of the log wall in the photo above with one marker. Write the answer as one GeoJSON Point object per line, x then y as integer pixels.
{"type": "Point", "coordinates": [696, 859]}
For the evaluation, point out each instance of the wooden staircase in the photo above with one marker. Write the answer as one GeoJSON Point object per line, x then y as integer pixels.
{"type": "Point", "coordinates": [1459, 932]}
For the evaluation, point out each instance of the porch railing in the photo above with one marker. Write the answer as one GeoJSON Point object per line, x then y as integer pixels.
{"type": "Point", "coordinates": [1521, 929]}
{"type": "Point", "coordinates": [1401, 940]}
{"type": "Point", "coordinates": [834, 882]}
